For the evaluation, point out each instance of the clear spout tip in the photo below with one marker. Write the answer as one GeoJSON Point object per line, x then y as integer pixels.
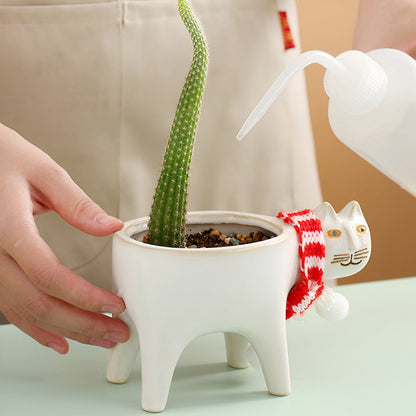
{"type": "Point", "coordinates": [252, 120]}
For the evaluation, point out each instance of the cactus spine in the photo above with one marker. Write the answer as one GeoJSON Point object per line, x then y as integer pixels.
{"type": "Point", "coordinates": [167, 218]}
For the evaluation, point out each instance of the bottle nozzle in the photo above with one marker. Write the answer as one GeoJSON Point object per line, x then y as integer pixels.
{"type": "Point", "coordinates": [307, 58]}
{"type": "Point", "coordinates": [356, 82]}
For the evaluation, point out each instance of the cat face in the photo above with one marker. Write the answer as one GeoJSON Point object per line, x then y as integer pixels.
{"type": "Point", "coordinates": [347, 239]}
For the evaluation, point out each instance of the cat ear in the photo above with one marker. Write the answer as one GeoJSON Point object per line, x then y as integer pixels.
{"type": "Point", "coordinates": [351, 210]}
{"type": "Point", "coordinates": [325, 210]}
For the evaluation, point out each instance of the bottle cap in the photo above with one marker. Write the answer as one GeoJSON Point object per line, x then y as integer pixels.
{"type": "Point", "coordinates": [361, 87]}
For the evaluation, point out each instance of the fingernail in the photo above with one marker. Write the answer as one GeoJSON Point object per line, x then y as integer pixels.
{"type": "Point", "coordinates": [57, 347]}
{"type": "Point", "coordinates": [105, 219]}
{"type": "Point", "coordinates": [115, 336]}
{"type": "Point", "coordinates": [102, 343]}
{"type": "Point", "coordinates": [116, 309]}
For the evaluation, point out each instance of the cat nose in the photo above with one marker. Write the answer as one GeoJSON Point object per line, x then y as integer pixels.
{"type": "Point", "coordinates": [352, 239]}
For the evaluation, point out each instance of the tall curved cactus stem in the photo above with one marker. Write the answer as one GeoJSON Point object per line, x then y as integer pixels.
{"type": "Point", "coordinates": [167, 218]}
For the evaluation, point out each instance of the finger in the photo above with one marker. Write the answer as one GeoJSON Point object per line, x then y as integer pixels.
{"type": "Point", "coordinates": [20, 238]}
{"type": "Point", "coordinates": [48, 339]}
{"type": "Point", "coordinates": [56, 280]}
{"type": "Point", "coordinates": [41, 310]}
{"type": "Point", "coordinates": [50, 336]}
{"type": "Point", "coordinates": [65, 197]}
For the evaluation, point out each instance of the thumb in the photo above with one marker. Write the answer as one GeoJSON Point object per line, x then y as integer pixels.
{"type": "Point", "coordinates": [71, 203]}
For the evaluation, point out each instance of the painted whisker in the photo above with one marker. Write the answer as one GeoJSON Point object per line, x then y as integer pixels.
{"type": "Point", "coordinates": [364, 250]}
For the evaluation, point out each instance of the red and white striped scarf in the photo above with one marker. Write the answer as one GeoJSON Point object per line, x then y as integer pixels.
{"type": "Point", "coordinates": [311, 258]}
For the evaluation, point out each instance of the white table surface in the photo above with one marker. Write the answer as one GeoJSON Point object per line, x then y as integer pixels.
{"type": "Point", "coordinates": [364, 365]}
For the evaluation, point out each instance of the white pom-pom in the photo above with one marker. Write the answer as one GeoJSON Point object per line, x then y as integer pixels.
{"type": "Point", "coordinates": [332, 305]}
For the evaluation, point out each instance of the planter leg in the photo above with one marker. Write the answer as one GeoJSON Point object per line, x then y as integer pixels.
{"type": "Point", "coordinates": [159, 357]}
{"type": "Point", "coordinates": [236, 347]}
{"type": "Point", "coordinates": [271, 348]}
{"type": "Point", "coordinates": [122, 358]}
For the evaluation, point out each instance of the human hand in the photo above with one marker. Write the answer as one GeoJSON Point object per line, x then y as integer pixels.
{"type": "Point", "coordinates": [39, 295]}
{"type": "Point", "coordinates": [386, 24]}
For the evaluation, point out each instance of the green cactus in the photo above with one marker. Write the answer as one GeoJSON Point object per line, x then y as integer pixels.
{"type": "Point", "coordinates": [167, 218]}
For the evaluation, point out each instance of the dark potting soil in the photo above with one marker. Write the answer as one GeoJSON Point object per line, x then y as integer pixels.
{"type": "Point", "coordinates": [213, 238]}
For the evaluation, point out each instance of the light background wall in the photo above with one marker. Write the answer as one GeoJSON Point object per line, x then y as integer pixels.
{"type": "Point", "coordinates": [391, 212]}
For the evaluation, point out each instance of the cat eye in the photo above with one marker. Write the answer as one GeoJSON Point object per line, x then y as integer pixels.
{"type": "Point", "coordinates": [361, 229]}
{"type": "Point", "coordinates": [333, 233]}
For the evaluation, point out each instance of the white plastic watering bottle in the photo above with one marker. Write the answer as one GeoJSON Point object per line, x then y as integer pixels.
{"type": "Point", "coordinates": [372, 106]}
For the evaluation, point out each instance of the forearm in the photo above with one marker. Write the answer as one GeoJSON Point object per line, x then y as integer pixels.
{"type": "Point", "coordinates": [386, 24]}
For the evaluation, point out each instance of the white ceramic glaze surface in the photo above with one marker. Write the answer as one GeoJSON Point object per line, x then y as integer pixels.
{"type": "Point", "coordinates": [176, 295]}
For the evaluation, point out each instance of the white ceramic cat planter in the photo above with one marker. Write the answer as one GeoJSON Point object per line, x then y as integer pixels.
{"type": "Point", "coordinates": [174, 295]}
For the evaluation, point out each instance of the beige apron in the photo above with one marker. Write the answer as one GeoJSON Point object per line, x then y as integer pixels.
{"type": "Point", "coordinates": [95, 85]}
